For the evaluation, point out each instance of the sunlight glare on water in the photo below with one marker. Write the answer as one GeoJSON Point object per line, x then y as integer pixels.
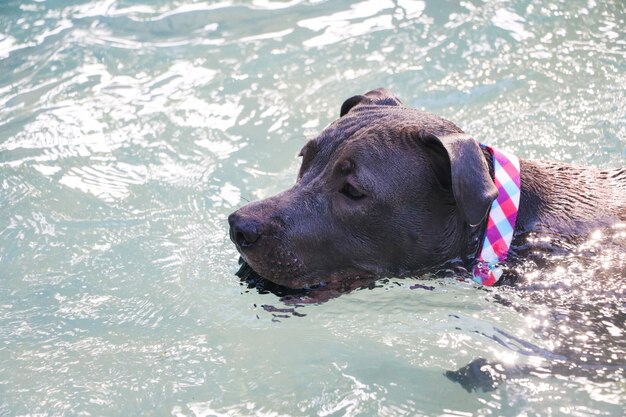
{"type": "Point", "coordinates": [129, 130]}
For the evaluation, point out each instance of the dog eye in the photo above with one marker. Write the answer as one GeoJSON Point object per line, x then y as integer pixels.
{"type": "Point", "coordinates": [351, 192]}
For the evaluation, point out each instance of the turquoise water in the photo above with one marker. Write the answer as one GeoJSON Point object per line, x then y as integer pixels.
{"type": "Point", "coordinates": [129, 130]}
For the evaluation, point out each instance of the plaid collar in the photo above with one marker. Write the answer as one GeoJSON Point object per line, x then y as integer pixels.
{"type": "Point", "coordinates": [502, 217]}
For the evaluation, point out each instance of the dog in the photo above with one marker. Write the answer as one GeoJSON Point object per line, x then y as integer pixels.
{"type": "Point", "coordinates": [387, 190]}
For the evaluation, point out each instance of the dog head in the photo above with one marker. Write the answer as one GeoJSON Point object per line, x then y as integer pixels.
{"type": "Point", "coordinates": [384, 190]}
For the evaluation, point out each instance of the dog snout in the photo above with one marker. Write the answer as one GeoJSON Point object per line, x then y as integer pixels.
{"type": "Point", "coordinates": [244, 231]}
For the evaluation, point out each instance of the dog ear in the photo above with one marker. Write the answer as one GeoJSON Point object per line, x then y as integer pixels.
{"type": "Point", "coordinates": [459, 164]}
{"type": "Point", "coordinates": [383, 97]}
{"type": "Point", "coordinates": [380, 96]}
{"type": "Point", "coordinates": [351, 102]}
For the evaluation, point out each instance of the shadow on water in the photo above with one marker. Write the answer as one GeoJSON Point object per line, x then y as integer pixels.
{"type": "Point", "coordinates": [571, 292]}
{"type": "Point", "coordinates": [295, 298]}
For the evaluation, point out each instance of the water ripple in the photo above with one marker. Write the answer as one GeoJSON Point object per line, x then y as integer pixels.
{"type": "Point", "coordinates": [130, 130]}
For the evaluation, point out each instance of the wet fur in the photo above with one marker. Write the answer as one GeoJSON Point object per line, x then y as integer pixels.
{"type": "Point", "coordinates": [428, 187]}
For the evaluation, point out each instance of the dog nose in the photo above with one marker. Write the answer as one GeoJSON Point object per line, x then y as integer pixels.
{"type": "Point", "coordinates": [244, 232]}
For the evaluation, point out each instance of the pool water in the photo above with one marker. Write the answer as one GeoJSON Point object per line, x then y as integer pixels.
{"type": "Point", "coordinates": [129, 130]}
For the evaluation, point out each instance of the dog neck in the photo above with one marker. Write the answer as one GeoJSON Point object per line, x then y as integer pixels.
{"type": "Point", "coordinates": [499, 228]}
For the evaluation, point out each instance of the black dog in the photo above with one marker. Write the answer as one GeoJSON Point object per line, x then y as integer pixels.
{"type": "Point", "coordinates": [387, 190]}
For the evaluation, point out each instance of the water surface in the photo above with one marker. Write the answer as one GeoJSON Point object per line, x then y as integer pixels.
{"type": "Point", "coordinates": [129, 130]}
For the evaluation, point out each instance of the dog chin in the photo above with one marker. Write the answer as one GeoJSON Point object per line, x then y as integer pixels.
{"type": "Point", "coordinates": [277, 273]}
{"type": "Point", "coordinates": [298, 279]}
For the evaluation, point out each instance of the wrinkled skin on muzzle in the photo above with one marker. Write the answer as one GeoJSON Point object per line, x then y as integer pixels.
{"type": "Point", "coordinates": [374, 197]}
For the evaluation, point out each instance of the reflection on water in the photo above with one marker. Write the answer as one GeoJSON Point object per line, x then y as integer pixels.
{"type": "Point", "coordinates": [130, 130]}
{"type": "Point", "coordinates": [574, 301]}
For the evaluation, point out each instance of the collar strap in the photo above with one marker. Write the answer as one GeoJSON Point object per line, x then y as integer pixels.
{"type": "Point", "coordinates": [502, 217]}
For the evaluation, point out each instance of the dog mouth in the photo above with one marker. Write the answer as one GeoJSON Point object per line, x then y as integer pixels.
{"type": "Point", "coordinates": [294, 283]}
{"type": "Point", "coordinates": [274, 262]}
{"type": "Point", "coordinates": [280, 274]}
{"type": "Point", "coordinates": [245, 270]}
{"type": "Point", "coordinates": [254, 280]}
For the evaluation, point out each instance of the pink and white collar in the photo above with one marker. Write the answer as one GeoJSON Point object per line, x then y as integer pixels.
{"type": "Point", "coordinates": [502, 218]}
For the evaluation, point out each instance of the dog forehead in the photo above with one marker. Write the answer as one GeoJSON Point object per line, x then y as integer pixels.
{"type": "Point", "coordinates": [357, 124]}
{"type": "Point", "coordinates": [374, 131]}
{"type": "Point", "coordinates": [386, 119]}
